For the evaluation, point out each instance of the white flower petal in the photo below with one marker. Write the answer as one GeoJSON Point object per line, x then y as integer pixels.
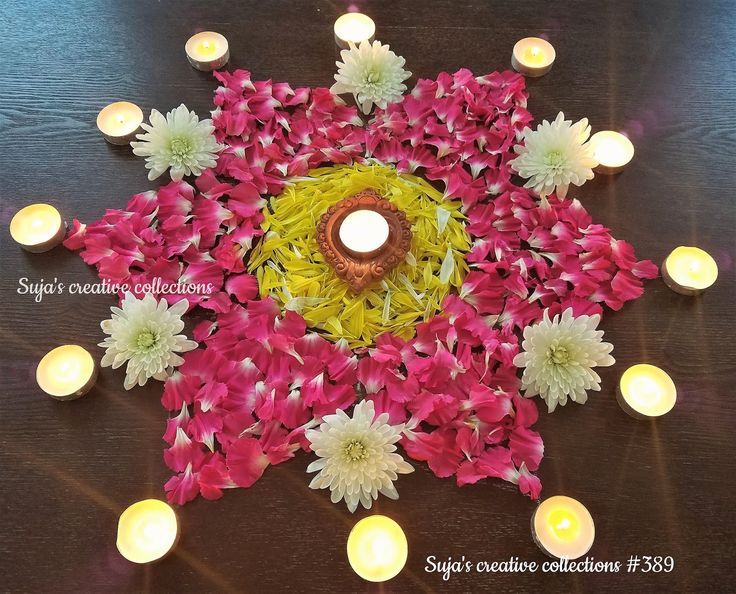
{"type": "Point", "coordinates": [555, 155]}
{"type": "Point", "coordinates": [372, 73]}
{"type": "Point", "coordinates": [144, 334]}
{"type": "Point", "coordinates": [559, 355]}
{"type": "Point", "coordinates": [357, 456]}
{"type": "Point", "coordinates": [179, 142]}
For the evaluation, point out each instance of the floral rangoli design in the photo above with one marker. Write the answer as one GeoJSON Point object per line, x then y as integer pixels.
{"type": "Point", "coordinates": [431, 346]}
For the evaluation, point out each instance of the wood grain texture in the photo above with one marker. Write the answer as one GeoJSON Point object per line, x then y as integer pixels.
{"type": "Point", "coordinates": [661, 70]}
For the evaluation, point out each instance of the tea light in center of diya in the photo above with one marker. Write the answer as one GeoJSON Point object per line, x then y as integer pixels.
{"type": "Point", "coordinates": [364, 231]}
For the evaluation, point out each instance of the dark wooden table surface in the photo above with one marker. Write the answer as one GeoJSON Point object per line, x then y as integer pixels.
{"type": "Point", "coordinates": [661, 70]}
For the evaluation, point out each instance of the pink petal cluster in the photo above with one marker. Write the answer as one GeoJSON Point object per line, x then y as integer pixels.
{"type": "Point", "coordinates": [460, 128]}
{"type": "Point", "coordinates": [529, 255]}
{"type": "Point", "coordinates": [244, 399]}
{"type": "Point", "coordinates": [178, 235]}
{"type": "Point", "coordinates": [456, 388]}
{"type": "Point", "coordinates": [272, 131]}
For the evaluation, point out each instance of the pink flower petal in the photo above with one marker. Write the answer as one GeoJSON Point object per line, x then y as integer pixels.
{"type": "Point", "coordinates": [438, 449]}
{"type": "Point", "coordinates": [245, 461]}
{"type": "Point", "coordinates": [182, 487]}
{"type": "Point", "coordinates": [244, 287]}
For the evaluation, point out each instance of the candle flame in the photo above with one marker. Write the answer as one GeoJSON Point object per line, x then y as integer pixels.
{"type": "Point", "coordinates": [355, 27]}
{"type": "Point", "coordinates": [611, 148]}
{"type": "Point", "coordinates": [146, 531]}
{"type": "Point", "coordinates": [68, 370]}
{"type": "Point", "coordinates": [691, 267]}
{"type": "Point", "coordinates": [207, 47]}
{"type": "Point", "coordinates": [648, 390]}
{"type": "Point", "coordinates": [564, 524]}
{"type": "Point", "coordinates": [377, 548]}
{"type": "Point", "coordinates": [152, 531]}
{"type": "Point", "coordinates": [65, 370]}
{"type": "Point", "coordinates": [534, 55]}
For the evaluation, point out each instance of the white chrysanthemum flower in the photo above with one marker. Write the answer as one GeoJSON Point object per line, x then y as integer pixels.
{"type": "Point", "coordinates": [179, 141]}
{"type": "Point", "coordinates": [145, 333]}
{"type": "Point", "coordinates": [372, 73]}
{"type": "Point", "coordinates": [559, 356]}
{"type": "Point", "coordinates": [357, 456]}
{"type": "Point", "coordinates": [555, 155]}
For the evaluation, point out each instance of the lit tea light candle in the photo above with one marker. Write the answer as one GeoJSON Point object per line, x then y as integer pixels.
{"type": "Point", "coordinates": [37, 228]}
{"type": "Point", "coordinates": [612, 150]}
{"type": "Point", "coordinates": [689, 270]}
{"type": "Point", "coordinates": [563, 527]}
{"type": "Point", "coordinates": [354, 27]}
{"type": "Point", "coordinates": [364, 231]}
{"type": "Point", "coordinates": [147, 530]}
{"type": "Point", "coordinates": [66, 372]}
{"type": "Point", "coordinates": [377, 548]}
{"type": "Point", "coordinates": [120, 121]}
{"type": "Point", "coordinates": [646, 391]}
{"type": "Point", "coordinates": [533, 56]}
{"type": "Point", "coordinates": [207, 50]}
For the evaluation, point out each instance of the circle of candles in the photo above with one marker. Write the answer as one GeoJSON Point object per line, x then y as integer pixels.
{"type": "Point", "coordinates": [353, 27]}
{"type": "Point", "coordinates": [612, 150]}
{"type": "Point", "coordinates": [66, 372]}
{"type": "Point", "coordinates": [563, 527]}
{"type": "Point", "coordinates": [645, 391]}
{"type": "Point", "coordinates": [37, 227]}
{"type": "Point", "coordinates": [120, 121]}
{"type": "Point", "coordinates": [207, 50]}
{"type": "Point", "coordinates": [147, 530]}
{"type": "Point", "coordinates": [377, 548]}
{"type": "Point", "coordinates": [533, 56]}
{"type": "Point", "coordinates": [689, 270]}
{"type": "Point", "coordinates": [364, 231]}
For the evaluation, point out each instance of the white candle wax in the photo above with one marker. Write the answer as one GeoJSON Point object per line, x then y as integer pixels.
{"type": "Point", "coordinates": [207, 50]}
{"type": "Point", "coordinates": [147, 531]}
{"type": "Point", "coordinates": [353, 27]}
{"type": "Point", "coordinates": [363, 231]}
{"type": "Point", "coordinates": [66, 372]}
{"type": "Point", "coordinates": [689, 270]}
{"type": "Point", "coordinates": [533, 56]}
{"type": "Point", "coordinates": [37, 228]}
{"type": "Point", "coordinates": [612, 150]}
{"type": "Point", "coordinates": [646, 391]}
{"type": "Point", "coordinates": [377, 548]}
{"type": "Point", "coordinates": [120, 121]}
{"type": "Point", "coordinates": [563, 527]}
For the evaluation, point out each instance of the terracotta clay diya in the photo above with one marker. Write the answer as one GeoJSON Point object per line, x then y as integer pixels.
{"type": "Point", "coordinates": [360, 268]}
